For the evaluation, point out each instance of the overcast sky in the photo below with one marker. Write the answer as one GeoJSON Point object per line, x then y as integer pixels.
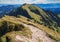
{"type": "Point", "coordinates": [28, 1]}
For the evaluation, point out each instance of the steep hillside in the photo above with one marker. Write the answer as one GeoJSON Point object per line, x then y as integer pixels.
{"type": "Point", "coordinates": [11, 29]}
{"type": "Point", "coordinates": [38, 15]}
{"type": "Point", "coordinates": [30, 23]}
{"type": "Point", "coordinates": [58, 15]}
{"type": "Point", "coordinates": [14, 29]}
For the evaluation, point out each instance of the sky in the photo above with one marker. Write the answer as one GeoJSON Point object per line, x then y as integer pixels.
{"type": "Point", "coordinates": [28, 1]}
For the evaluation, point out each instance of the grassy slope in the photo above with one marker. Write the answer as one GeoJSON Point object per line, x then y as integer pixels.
{"type": "Point", "coordinates": [59, 15]}
{"type": "Point", "coordinates": [38, 15]}
{"type": "Point", "coordinates": [52, 33]}
{"type": "Point", "coordinates": [11, 27]}
{"type": "Point", "coordinates": [43, 17]}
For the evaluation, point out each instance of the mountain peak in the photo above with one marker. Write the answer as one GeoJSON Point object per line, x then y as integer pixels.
{"type": "Point", "coordinates": [26, 4]}
{"type": "Point", "coordinates": [37, 14]}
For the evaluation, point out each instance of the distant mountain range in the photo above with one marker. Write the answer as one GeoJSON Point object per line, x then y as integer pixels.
{"type": "Point", "coordinates": [55, 8]}
{"type": "Point", "coordinates": [50, 7]}
{"type": "Point", "coordinates": [4, 9]}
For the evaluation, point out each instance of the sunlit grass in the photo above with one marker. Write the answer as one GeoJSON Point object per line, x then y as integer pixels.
{"type": "Point", "coordinates": [50, 32]}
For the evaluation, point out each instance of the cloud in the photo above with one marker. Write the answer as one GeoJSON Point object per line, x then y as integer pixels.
{"type": "Point", "coordinates": [28, 1]}
{"type": "Point", "coordinates": [40, 1]}
{"type": "Point", "coordinates": [54, 1]}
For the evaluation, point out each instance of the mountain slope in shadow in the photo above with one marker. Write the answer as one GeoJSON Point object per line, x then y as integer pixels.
{"type": "Point", "coordinates": [37, 14]}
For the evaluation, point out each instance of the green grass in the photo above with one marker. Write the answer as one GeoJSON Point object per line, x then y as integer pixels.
{"type": "Point", "coordinates": [40, 16]}
{"type": "Point", "coordinates": [26, 32]}
{"type": "Point", "coordinates": [59, 15]}
{"type": "Point", "coordinates": [10, 28]}
{"type": "Point", "coordinates": [11, 35]}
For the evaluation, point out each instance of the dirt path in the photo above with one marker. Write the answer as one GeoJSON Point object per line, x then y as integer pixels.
{"type": "Point", "coordinates": [37, 36]}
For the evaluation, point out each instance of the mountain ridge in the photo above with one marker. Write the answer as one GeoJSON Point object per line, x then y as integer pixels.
{"type": "Point", "coordinates": [36, 13]}
{"type": "Point", "coordinates": [21, 24]}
